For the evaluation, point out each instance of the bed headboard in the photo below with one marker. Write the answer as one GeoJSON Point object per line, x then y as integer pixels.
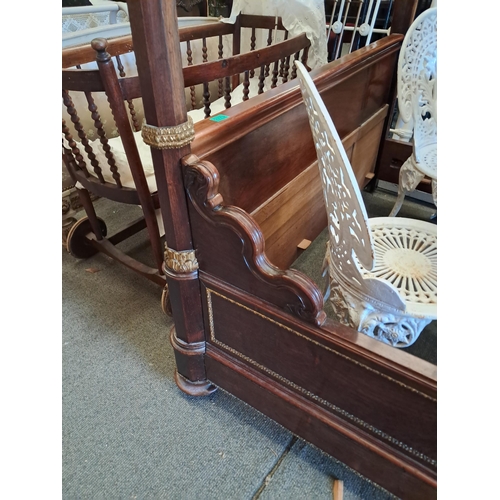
{"type": "Point", "coordinates": [265, 155]}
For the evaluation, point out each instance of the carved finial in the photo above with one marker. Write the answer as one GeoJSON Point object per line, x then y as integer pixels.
{"type": "Point", "coordinates": [100, 45]}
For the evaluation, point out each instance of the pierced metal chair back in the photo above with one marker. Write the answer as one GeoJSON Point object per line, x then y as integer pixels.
{"type": "Point", "coordinates": [351, 241]}
{"type": "Point", "coordinates": [417, 104]}
{"type": "Point", "coordinates": [383, 270]}
{"type": "Point", "coordinates": [417, 80]}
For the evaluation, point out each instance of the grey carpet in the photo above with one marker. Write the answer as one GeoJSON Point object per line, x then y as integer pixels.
{"type": "Point", "coordinates": [129, 432]}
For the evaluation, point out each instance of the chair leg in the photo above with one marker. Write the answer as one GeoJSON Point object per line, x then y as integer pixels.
{"type": "Point", "coordinates": [68, 220]}
{"type": "Point", "coordinates": [397, 330]}
{"type": "Point", "coordinates": [88, 206]}
{"type": "Point", "coordinates": [383, 324]}
{"type": "Point", "coordinates": [409, 179]}
{"type": "Point", "coordinates": [435, 191]}
{"type": "Point", "coordinates": [399, 201]}
{"type": "Point", "coordinates": [326, 275]}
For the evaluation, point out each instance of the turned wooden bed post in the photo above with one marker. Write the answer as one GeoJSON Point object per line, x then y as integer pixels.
{"type": "Point", "coordinates": [168, 132]}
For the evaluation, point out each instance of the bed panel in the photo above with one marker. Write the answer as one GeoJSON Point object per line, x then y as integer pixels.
{"type": "Point", "coordinates": [384, 422]}
{"type": "Point", "coordinates": [263, 149]}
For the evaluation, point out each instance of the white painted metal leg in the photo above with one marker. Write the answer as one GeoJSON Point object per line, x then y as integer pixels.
{"type": "Point", "coordinates": [409, 179]}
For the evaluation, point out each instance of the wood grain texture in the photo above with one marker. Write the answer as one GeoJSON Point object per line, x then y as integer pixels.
{"type": "Point", "coordinates": [305, 419]}
{"type": "Point", "coordinates": [234, 65]}
{"type": "Point", "coordinates": [329, 386]}
{"type": "Point", "coordinates": [162, 88]}
{"type": "Point", "coordinates": [247, 138]}
{"type": "Point", "coordinates": [400, 413]}
{"type": "Point", "coordinates": [264, 148]}
{"type": "Point", "coordinates": [234, 247]}
{"type": "Point", "coordinates": [296, 212]}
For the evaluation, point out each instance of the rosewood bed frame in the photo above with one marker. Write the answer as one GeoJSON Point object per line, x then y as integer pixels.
{"type": "Point", "coordinates": [235, 203]}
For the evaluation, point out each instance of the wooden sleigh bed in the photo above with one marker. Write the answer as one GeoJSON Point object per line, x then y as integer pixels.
{"type": "Point", "coordinates": [236, 202]}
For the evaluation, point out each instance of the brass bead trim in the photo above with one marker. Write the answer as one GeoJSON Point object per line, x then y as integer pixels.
{"type": "Point", "coordinates": [174, 137]}
{"type": "Point", "coordinates": [311, 395]}
{"type": "Point", "coordinates": [182, 262]}
{"type": "Point", "coordinates": [324, 347]}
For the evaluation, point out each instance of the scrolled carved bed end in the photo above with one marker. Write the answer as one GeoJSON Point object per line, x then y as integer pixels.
{"type": "Point", "coordinates": [233, 232]}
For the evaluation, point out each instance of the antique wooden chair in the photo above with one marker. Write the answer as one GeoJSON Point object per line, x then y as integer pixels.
{"type": "Point", "coordinates": [111, 168]}
{"type": "Point", "coordinates": [383, 275]}
{"type": "Point", "coordinates": [417, 104]}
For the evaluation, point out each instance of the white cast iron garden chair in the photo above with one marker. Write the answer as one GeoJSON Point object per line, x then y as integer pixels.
{"type": "Point", "coordinates": [417, 104]}
{"type": "Point", "coordinates": [383, 271]}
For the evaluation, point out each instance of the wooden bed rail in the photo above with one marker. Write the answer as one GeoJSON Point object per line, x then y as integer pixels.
{"type": "Point", "coordinates": [267, 342]}
{"type": "Point", "coordinates": [266, 338]}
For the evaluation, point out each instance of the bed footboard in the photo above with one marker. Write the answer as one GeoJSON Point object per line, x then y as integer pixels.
{"type": "Point", "coordinates": [267, 342]}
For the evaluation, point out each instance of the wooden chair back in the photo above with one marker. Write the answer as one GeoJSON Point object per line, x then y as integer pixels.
{"type": "Point", "coordinates": [116, 173]}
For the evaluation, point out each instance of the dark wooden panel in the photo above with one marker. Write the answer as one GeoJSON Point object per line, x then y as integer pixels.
{"type": "Point", "coordinates": [264, 144]}
{"type": "Point", "coordinates": [233, 247]}
{"type": "Point", "coordinates": [319, 427]}
{"type": "Point", "coordinates": [397, 412]}
{"type": "Point", "coordinates": [394, 153]}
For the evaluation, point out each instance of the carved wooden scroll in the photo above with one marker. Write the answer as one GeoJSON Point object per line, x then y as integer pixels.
{"type": "Point", "coordinates": [231, 247]}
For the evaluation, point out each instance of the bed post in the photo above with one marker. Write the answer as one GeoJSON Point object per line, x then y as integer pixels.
{"type": "Point", "coordinates": [403, 15]}
{"type": "Point", "coordinates": [169, 133]}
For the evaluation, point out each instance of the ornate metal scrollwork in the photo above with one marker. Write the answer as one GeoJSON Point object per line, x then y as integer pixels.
{"type": "Point", "coordinates": [174, 137]}
{"type": "Point", "coordinates": [183, 262]}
